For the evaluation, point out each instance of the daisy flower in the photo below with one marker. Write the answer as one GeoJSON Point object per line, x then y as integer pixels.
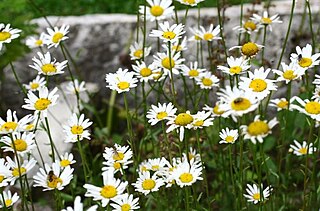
{"type": "Point", "coordinates": [66, 160]}
{"type": "Point", "coordinates": [160, 112]}
{"type": "Point", "coordinates": [207, 80]}
{"type": "Point", "coordinates": [316, 94]}
{"type": "Point", "coordinates": [196, 35]}
{"type": "Point", "coordinates": [304, 58]}
{"type": "Point", "coordinates": [202, 119]}
{"type": "Point", "coordinates": [125, 202]}
{"type": "Point", "coordinates": [215, 111]}
{"type": "Point", "coordinates": [35, 42]}
{"type": "Point", "coordinates": [180, 122]}
{"type": "Point", "coordinates": [23, 143]}
{"type": "Point", "coordinates": [236, 66]}
{"type": "Point", "coordinates": [236, 102]}
{"type": "Point", "coordinates": [136, 51]}
{"type": "Point", "coordinates": [144, 72]}
{"type": "Point", "coordinates": [258, 129]}
{"type": "Point", "coordinates": [12, 124]}
{"type": "Point", "coordinates": [78, 206]}
{"type": "Point", "coordinates": [76, 87]}
{"type": "Point", "coordinates": [117, 158]}
{"type": "Point", "coordinates": [186, 174]}
{"type": "Point", "coordinates": [249, 49]}
{"type": "Point", "coordinates": [8, 198]}
{"type": "Point", "coordinates": [35, 84]}
{"type": "Point", "coordinates": [143, 166]}
{"type": "Point", "coordinates": [309, 108]}
{"type": "Point", "coordinates": [247, 27]}
{"type": "Point", "coordinates": [280, 104]}
{"type": "Point", "coordinates": [146, 184]}
{"type": "Point", "coordinates": [191, 3]}
{"type": "Point", "coordinates": [228, 136]}
{"type": "Point", "coordinates": [121, 81]}
{"type": "Point", "coordinates": [42, 103]}
{"type": "Point", "coordinates": [303, 149]}
{"type": "Point", "coordinates": [5, 173]}
{"type": "Point", "coordinates": [76, 130]}
{"type": "Point", "coordinates": [51, 178]}
{"type": "Point", "coordinates": [193, 71]}
{"type": "Point", "coordinates": [162, 60]}
{"type": "Point", "coordinates": [7, 34]}
{"type": "Point", "coordinates": [156, 165]}
{"type": "Point", "coordinates": [56, 35]}
{"type": "Point", "coordinates": [316, 80]}
{"type": "Point", "coordinates": [210, 34]}
{"type": "Point", "coordinates": [168, 33]}
{"type": "Point", "coordinates": [44, 65]}
{"type": "Point", "coordinates": [25, 167]}
{"type": "Point", "coordinates": [158, 10]}
{"type": "Point", "coordinates": [257, 83]}
{"type": "Point", "coordinates": [254, 193]}
{"type": "Point", "coordinates": [266, 20]}
{"type": "Point", "coordinates": [111, 189]}
{"type": "Point", "coordinates": [178, 45]}
{"type": "Point", "coordinates": [289, 72]}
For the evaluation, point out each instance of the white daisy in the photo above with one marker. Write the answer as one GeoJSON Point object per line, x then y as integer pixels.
{"type": "Point", "coordinates": [316, 81]}
{"type": "Point", "coordinates": [111, 189]}
{"type": "Point", "coordinates": [177, 45]}
{"type": "Point", "coordinates": [76, 87]}
{"type": "Point", "coordinates": [160, 112]}
{"type": "Point", "coordinates": [228, 136]}
{"type": "Point", "coordinates": [8, 198]}
{"type": "Point", "coordinates": [168, 33]}
{"type": "Point", "coordinates": [303, 149]}
{"type": "Point", "coordinates": [25, 167]}
{"type": "Point", "coordinates": [280, 104]}
{"type": "Point", "coordinates": [249, 49]}
{"type": "Point", "coordinates": [66, 160]}
{"type": "Point", "coordinates": [35, 42]}
{"type": "Point", "coordinates": [254, 193]}
{"type": "Point", "coordinates": [289, 72]}
{"type": "Point", "coordinates": [12, 124]}
{"type": "Point", "coordinates": [121, 81]}
{"type": "Point", "coordinates": [78, 206]}
{"type": "Point", "coordinates": [202, 119]}
{"type": "Point", "coordinates": [76, 130]}
{"type": "Point", "coordinates": [23, 143]}
{"type": "Point", "coordinates": [186, 174]}
{"type": "Point", "coordinates": [191, 3]}
{"type": "Point", "coordinates": [35, 84]}
{"type": "Point", "coordinates": [316, 94]}
{"type": "Point", "coordinates": [5, 173]}
{"type": "Point", "coordinates": [266, 20]}
{"type": "Point", "coordinates": [257, 84]}
{"type": "Point", "coordinates": [125, 202]}
{"type": "Point", "coordinates": [258, 129]}
{"type": "Point", "coordinates": [144, 72]}
{"type": "Point", "coordinates": [156, 165]}
{"type": "Point", "coordinates": [7, 34]}
{"type": "Point", "coordinates": [236, 66]}
{"type": "Point", "coordinates": [215, 111]}
{"type": "Point", "coordinates": [247, 27]}
{"type": "Point", "coordinates": [304, 58]}
{"type": "Point", "coordinates": [310, 108]}
{"type": "Point", "coordinates": [44, 65]}
{"type": "Point", "coordinates": [136, 51]}
{"type": "Point", "coordinates": [206, 80]}
{"type": "Point", "coordinates": [162, 60]}
{"type": "Point", "coordinates": [196, 35]}
{"type": "Point", "coordinates": [51, 178]}
{"type": "Point", "coordinates": [210, 34]}
{"type": "Point", "coordinates": [158, 10]}
{"type": "Point", "coordinates": [193, 71]}
{"type": "Point", "coordinates": [180, 122]}
{"type": "Point", "coordinates": [146, 184]}
{"type": "Point", "coordinates": [56, 35]}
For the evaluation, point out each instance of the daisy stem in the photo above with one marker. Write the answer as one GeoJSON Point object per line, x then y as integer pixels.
{"type": "Point", "coordinates": [138, 21]}
{"type": "Point", "coordinates": [263, 43]}
{"type": "Point", "coordinates": [187, 198]}
{"type": "Point", "coordinates": [186, 15]}
{"type": "Point", "coordinates": [221, 23]}
{"type": "Point", "coordinates": [241, 18]}
{"type": "Point", "coordinates": [167, 140]}
{"type": "Point", "coordinates": [3, 200]}
{"type": "Point", "coordinates": [50, 138]}
{"type": "Point", "coordinates": [29, 191]}
{"type": "Point", "coordinates": [201, 54]}
{"type": "Point", "coordinates": [310, 24]}
{"type": "Point", "coordinates": [144, 103]}
{"type": "Point", "coordinates": [231, 172]}
{"type": "Point", "coordinates": [129, 126]}
{"type": "Point", "coordinates": [35, 140]}
{"type": "Point", "coordinates": [17, 79]}
{"type": "Point", "coordinates": [158, 39]}
{"type": "Point", "coordinates": [144, 28]}
{"type": "Point", "coordinates": [171, 75]}
{"type": "Point", "coordinates": [84, 161]}
{"type": "Point", "coordinates": [210, 56]}
{"type": "Point", "coordinates": [112, 100]}
{"type": "Point", "coordinates": [58, 199]}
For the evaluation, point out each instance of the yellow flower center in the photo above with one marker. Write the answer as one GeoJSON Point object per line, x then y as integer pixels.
{"type": "Point", "coordinates": [183, 119]}
{"type": "Point", "coordinates": [250, 26]}
{"type": "Point", "coordinates": [186, 177]}
{"type": "Point", "coordinates": [1, 178]}
{"type": "Point", "coordinates": [138, 53]}
{"type": "Point", "coordinates": [189, 1]}
{"type": "Point", "coordinates": [240, 104]}
{"type": "Point", "coordinates": [161, 115]}
{"type": "Point", "coordinates": [64, 163]}
{"type": "Point", "coordinates": [229, 139]}
{"type": "Point", "coordinates": [190, 156]}
{"type": "Point", "coordinates": [48, 68]}
{"type": "Point", "coordinates": [117, 165]}
{"type": "Point", "coordinates": [208, 36]}
{"type": "Point", "coordinates": [15, 171]}
{"type": "Point", "coordinates": [266, 21]}
{"type": "Point", "coordinates": [169, 35]}
{"type": "Point", "coordinates": [108, 191]}
{"type": "Point", "coordinates": [144, 168]}
{"type": "Point", "coordinates": [303, 150]}
{"type": "Point", "coordinates": [57, 37]}
{"type": "Point", "coordinates": [177, 48]}
{"type": "Point", "coordinates": [305, 62]}
{"type": "Point", "coordinates": [289, 75]}
{"type": "Point", "coordinates": [145, 72]}
{"type": "Point", "coordinates": [258, 85]}
{"type": "Point", "coordinates": [155, 168]}
{"type": "Point", "coordinates": [193, 73]}
{"type": "Point", "coordinates": [198, 123]}
{"type": "Point", "coordinates": [9, 126]}
{"type": "Point", "coordinates": [34, 85]}
{"type": "Point", "coordinates": [235, 69]}
{"type": "Point", "coordinates": [53, 181]}
{"type": "Point", "coordinates": [166, 63]}
{"type": "Point", "coordinates": [29, 127]}
{"type": "Point", "coordinates": [148, 184]}
{"type": "Point", "coordinates": [42, 104]}
{"type": "Point", "coordinates": [38, 42]}
{"type": "Point", "coordinates": [283, 104]}
{"type": "Point", "coordinates": [77, 129]}
{"type": "Point", "coordinates": [8, 202]}
{"type": "Point", "coordinates": [207, 82]}
{"type": "Point", "coordinates": [256, 196]}
{"type": "Point", "coordinates": [217, 111]}
{"type": "Point", "coordinates": [258, 128]}
{"type": "Point", "coordinates": [118, 156]}
{"type": "Point", "coordinates": [20, 145]}
{"type": "Point", "coordinates": [4, 36]}
{"type": "Point", "coordinates": [249, 49]}
{"type": "Point", "coordinates": [157, 75]}
{"type": "Point", "coordinates": [196, 37]}
{"type": "Point", "coordinates": [156, 10]}
{"type": "Point", "coordinates": [125, 207]}
{"type": "Point", "coordinates": [123, 85]}
{"type": "Point", "coordinates": [312, 107]}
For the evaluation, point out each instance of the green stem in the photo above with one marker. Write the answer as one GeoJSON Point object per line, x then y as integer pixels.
{"type": "Point", "coordinates": [263, 43]}
{"type": "Point", "coordinates": [4, 204]}
{"type": "Point", "coordinates": [84, 161]}
{"type": "Point", "coordinates": [17, 79]}
{"type": "Point", "coordinates": [129, 126]}
{"type": "Point", "coordinates": [231, 172]}
{"type": "Point", "coordinates": [29, 191]}
{"type": "Point", "coordinates": [110, 111]}
{"type": "Point", "coordinates": [50, 138]}
{"type": "Point", "coordinates": [171, 76]}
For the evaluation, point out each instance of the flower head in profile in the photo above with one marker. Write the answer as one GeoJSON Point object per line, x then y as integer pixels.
{"type": "Point", "coordinates": [8, 199]}
{"type": "Point", "coordinates": [25, 167]}
{"type": "Point", "coordinates": [247, 27]}
{"type": "Point", "coordinates": [255, 195]}
{"type": "Point", "coordinates": [228, 136]}
{"type": "Point", "coordinates": [35, 42]}
{"type": "Point", "coordinates": [7, 34]}
{"type": "Point", "coordinates": [195, 35]}
{"type": "Point", "coordinates": [266, 20]}
{"type": "Point", "coordinates": [210, 34]}
{"type": "Point", "coordinates": [12, 124]}
{"type": "Point", "coordinates": [249, 49]}
{"type": "Point", "coordinates": [191, 3]}
{"type": "Point", "coordinates": [125, 202]}
{"type": "Point", "coordinates": [160, 112]}
{"type": "Point", "coordinates": [236, 66]}
{"type": "Point", "coordinates": [168, 33]}
{"type": "Point", "coordinates": [157, 10]}
{"type": "Point", "coordinates": [307, 107]}
{"type": "Point", "coordinates": [316, 93]}
{"type": "Point", "coordinates": [56, 35]}
{"type": "Point", "coordinates": [76, 87]}
{"type": "Point", "coordinates": [46, 66]}
{"type": "Point", "coordinates": [180, 122]}
{"type": "Point", "coordinates": [77, 128]}
{"type": "Point", "coordinates": [78, 206]}
{"type": "Point", "coordinates": [36, 84]}
{"type": "Point", "coordinates": [121, 81]}
{"type": "Point", "coordinates": [21, 143]}
{"type": "Point", "coordinates": [289, 72]}
{"type": "Point", "coordinates": [137, 51]}
{"type": "Point", "coordinates": [302, 149]}
{"type": "Point", "coordinates": [192, 71]}
{"type": "Point", "coordinates": [207, 80]}
{"type": "Point", "coordinates": [147, 183]}
{"type": "Point", "coordinates": [304, 57]}
{"type": "Point", "coordinates": [215, 111]}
